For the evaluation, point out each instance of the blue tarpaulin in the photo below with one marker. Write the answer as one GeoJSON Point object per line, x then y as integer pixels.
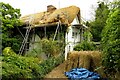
{"type": "Point", "coordinates": [82, 74]}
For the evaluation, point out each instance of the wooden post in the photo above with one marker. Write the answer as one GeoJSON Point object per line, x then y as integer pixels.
{"type": "Point", "coordinates": [45, 31]}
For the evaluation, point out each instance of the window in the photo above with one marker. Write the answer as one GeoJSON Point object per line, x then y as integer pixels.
{"type": "Point", "coordinates": [76, 35]}
{"type": "Point", "coordinates": [73, 34]}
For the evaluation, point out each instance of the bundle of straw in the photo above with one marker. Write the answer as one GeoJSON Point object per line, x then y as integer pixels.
{"type": "Point", "coordinates": [90, 60]}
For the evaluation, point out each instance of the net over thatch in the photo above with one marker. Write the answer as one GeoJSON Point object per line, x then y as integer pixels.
{"type": "Point", "coordinates": [65, 15]}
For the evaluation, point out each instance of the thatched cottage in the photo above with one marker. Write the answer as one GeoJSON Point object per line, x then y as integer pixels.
{"type": "Point", "coordinates": [66, 20]}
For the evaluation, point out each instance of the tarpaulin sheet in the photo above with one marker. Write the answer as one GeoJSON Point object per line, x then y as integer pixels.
{"type": "Point", "coordinates": [82, 74]}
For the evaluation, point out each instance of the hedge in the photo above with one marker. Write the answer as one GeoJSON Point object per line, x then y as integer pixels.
{"type": "Point", "coordinates": [111, 42]}
{"type": "Point", "coordinates": [15, 66]}
{"type": "Point", "coordinates": [85, 45]}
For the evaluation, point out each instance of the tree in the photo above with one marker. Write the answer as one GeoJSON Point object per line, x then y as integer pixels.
{"type": "Point", "coordinates": [114, 4]}
{"type": "Point", "coordinates": [10, 20]}
{"type": "Point", "coordinates": [101, 15]}
{"type": "Point", "coordinates": [111, 42]}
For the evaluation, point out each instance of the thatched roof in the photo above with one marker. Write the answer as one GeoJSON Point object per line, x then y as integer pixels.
{"type": "Point", "coordinates": [52, 15]}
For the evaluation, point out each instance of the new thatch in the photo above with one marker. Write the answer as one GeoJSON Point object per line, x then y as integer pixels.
{"type": "Point", "coordinates": [52, 15]}
{"type": "Point", "coordinates": [87, 59]}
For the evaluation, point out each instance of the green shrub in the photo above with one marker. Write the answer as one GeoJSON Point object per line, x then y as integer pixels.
{"type": "Point", "coordinates": [85, 45]}
{"type": "Point", "coordinates": [49, 47]}
{"type": "Point", "coordinates": [15, 66]}
{"type": "Point", "coordinates": [0, 66]}
{"type": "Point", "coordinates": [49, 64]}
{"type": "Point", "coordinates": [111, 42]}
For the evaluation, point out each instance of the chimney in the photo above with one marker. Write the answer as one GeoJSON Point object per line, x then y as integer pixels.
{"type": "Point", "coordinates": [51, 8]}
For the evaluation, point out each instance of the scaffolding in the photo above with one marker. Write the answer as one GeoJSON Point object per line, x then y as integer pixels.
{"type": "Point", "coordinates": [25, 40]}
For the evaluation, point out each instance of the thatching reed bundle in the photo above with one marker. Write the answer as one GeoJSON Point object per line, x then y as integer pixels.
{"type": "Point", "coordinates": [71, 60]}
{"type": "Point", "coordinates": [90, 60]}
{"type": "Point", "coordinates": [52, 15]}
{"type": "Point", "coordinates": [84, 60]}
{"type": "Point", "coordinates": [78, 59]}
{"type": "Point", "coordinates": [96, 63]}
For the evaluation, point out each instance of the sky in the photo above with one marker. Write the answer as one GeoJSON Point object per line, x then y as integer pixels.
{"type": "Point", "coordinates": [87, 7]}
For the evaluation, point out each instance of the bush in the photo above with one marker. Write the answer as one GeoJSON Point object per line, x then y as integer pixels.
{"type": "Point", "coordinates": [85, 45]}
{"type": "Point", "coordinates": [49, 47]}
{"type": "Point", "coordinates": [49, 64]}
{"type": "Point", "coordinates": [111, 42]}
{"type": "Point", "coordinates": [15, 66]}
{"type": "Point", "coordinates": [0, 67]}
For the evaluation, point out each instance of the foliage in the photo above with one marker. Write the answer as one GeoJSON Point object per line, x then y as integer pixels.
{"type": "Point", "coordinates": [87, 35]}
{"type": "Point", "coordinates": [111, 42]}
{"type": "Point", "coordinates": [8, 52]}
{"type": "Point", "coordinates": [35, 52]}
{"type": "Point", "coordinates": [10, 20]}
{"type": "Point", "coordinates": [15, 66]}
{"type": "Point", "coordinates": [115, 4]}
{"type": "Point", "coordinates": [0, 66]}
{"type": "Point", "coordinates": [101, 15]}
{"type": "Point", "coordinates": [49, 47]}
{"type": "Point", "coordinates": [49, 64]}
{"type": "Point", "coordinates": [85, 45]}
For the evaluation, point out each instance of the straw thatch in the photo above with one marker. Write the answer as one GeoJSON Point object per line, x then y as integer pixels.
{"type": "Point", "coordinates": [90, 60]}
{"type": "Point", "coordinates": [65, 15]}
{"type": "Point", "coordinates": [32, 18]}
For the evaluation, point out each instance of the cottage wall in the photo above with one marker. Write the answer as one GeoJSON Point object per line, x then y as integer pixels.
{"type": "Point", "coordinates": [73, 36]}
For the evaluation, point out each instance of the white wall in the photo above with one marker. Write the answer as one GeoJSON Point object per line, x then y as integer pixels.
{"type": "Point", "coordinates": [72, 37]}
